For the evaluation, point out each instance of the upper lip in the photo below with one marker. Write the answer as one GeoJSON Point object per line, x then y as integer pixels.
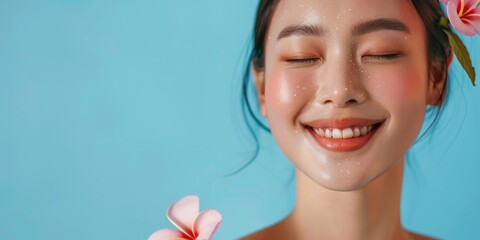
{"type": "Point", "coordinates": [343, 122]}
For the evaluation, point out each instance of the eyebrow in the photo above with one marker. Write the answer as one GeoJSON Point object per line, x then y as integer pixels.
{"type": "Point", "coordinates": [360, 29]}
{"type": "Point", "coordinates": [380, 24]}
{"type": "Point", "coordinates": [302, 30]}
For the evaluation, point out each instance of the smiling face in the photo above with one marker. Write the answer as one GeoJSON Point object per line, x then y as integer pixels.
{"type": "Point", "coordinates": [344, 86]}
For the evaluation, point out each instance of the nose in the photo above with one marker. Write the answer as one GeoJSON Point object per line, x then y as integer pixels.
{"type": "Point", "coordinates": [340, 84]}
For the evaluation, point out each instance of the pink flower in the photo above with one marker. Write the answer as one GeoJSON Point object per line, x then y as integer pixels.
{"type": "Point", "coordinates": [191, 224]}
{"type": "Point", "coordinates": [464, 15]}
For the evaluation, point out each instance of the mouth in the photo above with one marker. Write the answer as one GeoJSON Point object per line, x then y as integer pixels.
{"type": "Point", "coordinates": [343, 135]}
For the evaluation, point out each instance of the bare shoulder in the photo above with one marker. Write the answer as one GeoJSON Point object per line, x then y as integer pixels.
{"type": "Point", "coordinates": [280, 231]}
{"type": "Point", "coordinates": [416, 236]}
{"type": "Point", "coordinates": [256, 235]}
{"type": "Point", "coordinates": [265, 233]}
{"type": "Point", "coordinates": [270, 233]}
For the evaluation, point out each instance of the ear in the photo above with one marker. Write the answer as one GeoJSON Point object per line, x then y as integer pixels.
{"type": "Point", "coordinates": [259, 78]}
{"type": "Point", "coordinates": [436, 84]}
{"type": "Point", "coordinates": [435, 95]}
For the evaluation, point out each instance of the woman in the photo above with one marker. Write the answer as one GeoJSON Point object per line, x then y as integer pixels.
{"type": "Point", "coordinates": [344, 86]}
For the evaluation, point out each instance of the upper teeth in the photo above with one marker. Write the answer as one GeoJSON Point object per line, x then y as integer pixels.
{"type": "Point", "coordinates": [343, 133]}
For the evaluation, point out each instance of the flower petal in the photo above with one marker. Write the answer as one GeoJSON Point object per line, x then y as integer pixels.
{"type": "Point", "coordinates": [455, 20]}
{"type": "Point", "coordinates": [183, 213]}
{"type": "Point", "coordinates": [207, 223]}
{"type": "Point", "coordinates": [167, 234]}
{"type": "Point", "coordinates": [470, 5]}
{"type": "Point", "coordinates": [475, 26]}
{"type": "Point", "coordinates": [474, 19]}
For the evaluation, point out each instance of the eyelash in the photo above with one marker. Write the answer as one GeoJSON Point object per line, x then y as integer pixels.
{"type": "Point", "coordinates": [390, 56]}
{"type": "Point", "coordinates": [303, 60]}
{"type": "Point", "coordinates": [380, 57]}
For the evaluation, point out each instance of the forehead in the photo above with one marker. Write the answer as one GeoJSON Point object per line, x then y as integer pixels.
{"type": "Point", "coordinates": [338, 15]}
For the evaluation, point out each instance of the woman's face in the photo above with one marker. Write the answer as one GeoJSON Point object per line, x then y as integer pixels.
{"type": "Point", "coordinates": [345, 86]}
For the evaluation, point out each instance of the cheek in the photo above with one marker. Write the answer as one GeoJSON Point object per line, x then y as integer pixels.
{"type": "Point", "coordinates": [287, 92]}
{"type": "Point", "coordinates": [399, 88]}
{"type": "Point", "coordinates": [402, 91]}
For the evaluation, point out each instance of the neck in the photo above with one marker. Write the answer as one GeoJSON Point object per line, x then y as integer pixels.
{"type": "Point", "coordinates": [372, 212]}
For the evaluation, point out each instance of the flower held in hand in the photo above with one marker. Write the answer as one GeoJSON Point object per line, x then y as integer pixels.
{"type": "Point", "coordinates": [191, 224]}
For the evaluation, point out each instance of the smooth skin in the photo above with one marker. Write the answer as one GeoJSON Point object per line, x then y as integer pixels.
{"type": "Point", "coordinates": [335, 60]}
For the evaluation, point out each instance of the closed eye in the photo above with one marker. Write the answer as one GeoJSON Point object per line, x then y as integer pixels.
{"type": "Point", "coordinates": [382, 57]}
{"type": "Point", "coordinates": [302, 60]}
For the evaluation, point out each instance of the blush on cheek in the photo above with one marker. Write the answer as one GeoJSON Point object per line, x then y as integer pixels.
{"type": "Point", "coordinates": [403, 93]}
{"type": "Point", "coordinates": [278, 93]}
{"type": "Point", "coordinates": [399, 86]}
{"type": "Point", "coordinates": [287, 91]}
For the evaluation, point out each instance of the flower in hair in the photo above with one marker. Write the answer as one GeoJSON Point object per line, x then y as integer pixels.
{"type": "Point", "coordinates": [464, 15]}
{"type": "Point", "coordinates": [191, 224]}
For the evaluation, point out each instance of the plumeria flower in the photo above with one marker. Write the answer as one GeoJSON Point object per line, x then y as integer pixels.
{"type": "Point", "coordinates": [464, 15]}
{"type": "Point", "coordinates": [191, 224]}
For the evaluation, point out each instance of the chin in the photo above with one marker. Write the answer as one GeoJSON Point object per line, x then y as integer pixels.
{"type": "Point", "coordinates": [343, 183]}
{"type": "Point", "coordinates": [349, 176]}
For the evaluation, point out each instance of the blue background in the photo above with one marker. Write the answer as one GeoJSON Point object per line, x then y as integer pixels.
{"type": "Point", "coordinates": [112, 110]}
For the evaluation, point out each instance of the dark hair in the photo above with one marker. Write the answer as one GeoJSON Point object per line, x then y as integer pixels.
{"type": "Point", "coordinates": [439, 53]}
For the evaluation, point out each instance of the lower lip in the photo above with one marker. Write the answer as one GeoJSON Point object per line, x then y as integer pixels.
{"type": "Point", "coordinates": [343, 144]}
